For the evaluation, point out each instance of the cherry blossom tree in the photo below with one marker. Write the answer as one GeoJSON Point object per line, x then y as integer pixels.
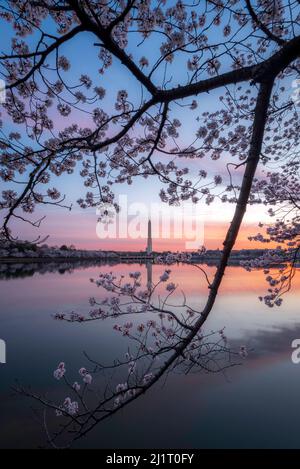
{"type": "Point", "coordinates": [244, 54]}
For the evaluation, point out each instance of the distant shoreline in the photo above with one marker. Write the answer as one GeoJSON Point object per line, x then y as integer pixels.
{"type": "Point", "coordinates": [210, 256]}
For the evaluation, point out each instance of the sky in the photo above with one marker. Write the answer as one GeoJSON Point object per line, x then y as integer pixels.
{"type": "Point", "coordinates": [79, 227]}
{"type": "Point", "coordinates": [208, 225]}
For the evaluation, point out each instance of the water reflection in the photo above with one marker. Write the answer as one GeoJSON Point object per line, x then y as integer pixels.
{"type": "Point", "coordinates": [27, 326]}
{"type": "Point", "coordinates": [9, 270]}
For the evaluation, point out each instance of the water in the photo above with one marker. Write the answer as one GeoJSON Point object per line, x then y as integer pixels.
{"type": "Point", "coordinates": [252, 405]}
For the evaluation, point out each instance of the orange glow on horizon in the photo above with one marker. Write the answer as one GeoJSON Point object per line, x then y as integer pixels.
{"type": "Point", "coordinates": [80, 230]}
{"type": "Point", "coordinates": [214, 235]}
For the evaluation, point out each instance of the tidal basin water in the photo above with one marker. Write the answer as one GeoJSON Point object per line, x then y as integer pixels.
{"type": "Point", "coordinates": [253, 405]}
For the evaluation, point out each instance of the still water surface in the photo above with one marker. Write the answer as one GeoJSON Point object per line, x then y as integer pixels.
{"type": "Point", "coordinates": [253, 405]}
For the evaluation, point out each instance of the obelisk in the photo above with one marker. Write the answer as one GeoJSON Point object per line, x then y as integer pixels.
{"type": "Point", "coordinates": [149, 241]}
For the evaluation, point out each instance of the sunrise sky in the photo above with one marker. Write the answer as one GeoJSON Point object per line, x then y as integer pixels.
{"type": "Point", "coordinates": [78, 226]}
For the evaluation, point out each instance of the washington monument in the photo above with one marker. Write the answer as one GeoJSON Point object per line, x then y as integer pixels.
{"type": "Point", "coordinates": [149, 241]}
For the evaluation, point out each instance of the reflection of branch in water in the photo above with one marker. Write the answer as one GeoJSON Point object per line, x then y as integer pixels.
{"type": "Point", "coordinates": [159, 345]}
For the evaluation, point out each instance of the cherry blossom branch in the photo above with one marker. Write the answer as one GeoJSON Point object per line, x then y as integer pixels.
{"type": "Point", "coordinates": [262, 26]}
{"type": "Point", "coordinates": [44, 54]}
